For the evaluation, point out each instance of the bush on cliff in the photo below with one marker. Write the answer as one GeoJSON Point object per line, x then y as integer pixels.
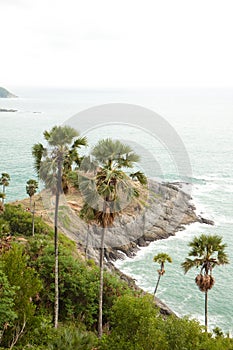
{"type": "Point", "coordinates": [20, 221]}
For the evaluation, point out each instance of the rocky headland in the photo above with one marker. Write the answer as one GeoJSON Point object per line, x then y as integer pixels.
{"type": "Point", "coordinates": [4, 93]}
{"type": "Point", "coordinates": [167, 209]}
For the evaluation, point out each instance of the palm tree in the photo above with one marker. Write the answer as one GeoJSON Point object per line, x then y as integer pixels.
{"type": "Point", "coordinates": [208, 251]}
{"type": "Point", "coordinates": [107, 190]}
{"type": "Point", "coordinates": [49, 164]}
{"type": "Point", "coordinates": [4, 181]}
{"type": "Point", "coordinates": [71, 158]}
{"type": "Point", "coordinates": [161, 258]}
{"type": "Point", "coordinates": [31, 188]}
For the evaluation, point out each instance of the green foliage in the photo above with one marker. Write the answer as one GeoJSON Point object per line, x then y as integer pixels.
{"type": "Point", "coordinates": [131, 321]}
{"type": "Point", "coordinates": [31, 187]}
{"type": "Point", "coordinates": [136, 325]}
{"type": "Point", "coordinates": [20, 221]}
{"type": "Point", "coordinates": [4, 227]}
{"type": "Point", "coordinates": [37, 153]}
{"type": "Point", "coordinates": [140, 176]}
{"type": "Point", "coordinates": [78, 284]}
{"type": "Point", "coordinates": [183, 334]}
{"type": "Point", "coordinates": [114, 154]}
{"type": "Point", "coordinates": [7, 295]}
{"type": "Point", "coordinates": [27, 285]}
{"type": "Point", "coordinates": [15, 266]}
{"type": "Point", "coordinates": [105, 186]}
{"type": "Point", "coordinates": [5, 180]}
{"type": "Point", "coordinates": [38, 333]}
{"type": "Point", "coordinates": [208, 251]}
{"type": "Point", "coordinates": [60, 135]}
{"type": "Point", "coordinates": [71, 337]}
{"type": "Point", "coordinates": [162, 258]}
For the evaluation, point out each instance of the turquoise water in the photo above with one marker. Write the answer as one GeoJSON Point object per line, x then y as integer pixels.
{"type": "Point", "coordinates": [203, 120]}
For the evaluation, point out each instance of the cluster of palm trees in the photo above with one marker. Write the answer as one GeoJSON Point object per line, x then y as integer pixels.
{"type": "Point", "coordinates": [207, 251]}
{"type": "Point", "coordinates": [106, 188]}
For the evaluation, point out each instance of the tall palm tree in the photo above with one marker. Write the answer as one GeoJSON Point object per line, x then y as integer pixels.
{"type": "Point", "coordinates": [161, 258]}
{"type": "Point", "coordinates": [49, 164]}
{"type": "Point", "coordinates": [4, 181]}
{"type": "Point", "coordinates": [107, 189]}
{"type": "Point", "coordinates": [208, 251]}
{"type": "Point", "coordinates": [31, 188]}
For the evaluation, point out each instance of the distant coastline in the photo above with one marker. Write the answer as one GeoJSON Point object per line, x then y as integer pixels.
{"type": "Point", "coordinates": [8, 110]}
{"type": "Point", "coordinates": [4, 93]}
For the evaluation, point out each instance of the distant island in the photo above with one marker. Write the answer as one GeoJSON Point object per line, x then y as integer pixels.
{"type": "Point", "coordinates": [6, 94]}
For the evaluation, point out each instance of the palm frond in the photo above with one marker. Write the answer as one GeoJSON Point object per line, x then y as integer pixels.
{"type": "Point", "coordinates": [140, 176]}
{"type": "Point", "coordinates": [162, 258]}
{"type": "Point", "coordinates": [38, 151]}
{"type": "Point", "coordinates": [208, 251]}
{"type": "Point", "coordinates": [189, 263]}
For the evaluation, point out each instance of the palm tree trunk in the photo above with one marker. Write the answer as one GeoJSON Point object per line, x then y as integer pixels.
{"type": "Point", "coordinates": [157, 284]}
{"type": "Point", "coordinates": [33, 219]}
{"type": "Point", "coordinates": [30, 205]}
{"type": "Point", "coordinates": [3, 198]}
{"type": "Point", "coordinates": [56, 283]}
{"type": "Point", "coordinates": [100, 322]}
{"type": "Point", "coordinates": [160, 274]}
{"type": "Point", "coordinates": [206, 310]}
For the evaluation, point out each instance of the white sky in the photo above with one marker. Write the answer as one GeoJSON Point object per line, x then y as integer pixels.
{"type": "Point", "coordinates": [116, 43]}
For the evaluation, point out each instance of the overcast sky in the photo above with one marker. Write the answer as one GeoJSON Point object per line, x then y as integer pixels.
{"type": "Point", "coordinates": [116, 43]}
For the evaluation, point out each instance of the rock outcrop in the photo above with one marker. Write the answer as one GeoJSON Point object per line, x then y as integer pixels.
{"type": "Point", "coordinates": [167, 210]}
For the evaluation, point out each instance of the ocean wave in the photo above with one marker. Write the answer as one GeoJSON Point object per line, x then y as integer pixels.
{"type": "Point", "coordinates": [223, 219]}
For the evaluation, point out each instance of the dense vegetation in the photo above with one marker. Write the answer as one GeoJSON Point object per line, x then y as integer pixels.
{"type": "Point", "coordinates": [130, 318]}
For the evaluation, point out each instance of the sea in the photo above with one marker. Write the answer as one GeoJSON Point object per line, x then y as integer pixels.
{"type": "Point", "coordinates": [200, 121]}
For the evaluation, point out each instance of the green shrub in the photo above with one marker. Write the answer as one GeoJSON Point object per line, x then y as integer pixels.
{"type": "Point", "coordinates": [7, 295]}
{"type": "Point", "coordinates": [71, 338]}
{"type": "Point", "coordinates": [135, 325]}
{"type": "Point", "coordinates": [78, 284]}
{"type": "Point", "coordinates": [20, 221]}
{"type": "Point", "coordinates": [27, 285]}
